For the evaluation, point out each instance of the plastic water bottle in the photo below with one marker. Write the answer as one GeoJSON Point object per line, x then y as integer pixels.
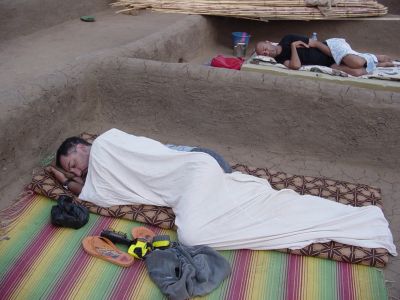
{"type": "Point", "coordinates": [314, 36]}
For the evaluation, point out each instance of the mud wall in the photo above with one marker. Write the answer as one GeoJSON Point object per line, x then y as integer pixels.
{"type": "Point", "coordinates": [275, 113]}
{"type": "Point", "coordinates": [36, 116]}
{"type": "Point", "coordinates": [392, 5]}
{"type": "Point", "coordinates": [179, 42]}
{"type": "Point", "coordinates": [284, 114]}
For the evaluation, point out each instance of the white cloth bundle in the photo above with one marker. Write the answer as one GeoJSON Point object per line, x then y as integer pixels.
{"type": "Point", "coordinates": [224, 211]}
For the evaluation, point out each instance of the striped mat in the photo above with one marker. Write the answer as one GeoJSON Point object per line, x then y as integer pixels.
{"type": "Point", "coordinates": [40, 261]}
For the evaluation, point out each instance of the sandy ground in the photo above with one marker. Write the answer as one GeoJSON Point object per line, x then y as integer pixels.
{"type": "Point", "coordinates": [48, 50]}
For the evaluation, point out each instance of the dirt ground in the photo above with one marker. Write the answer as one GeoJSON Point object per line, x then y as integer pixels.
{"type": "Point", "coordinates": [54, 47]}
{"type": "Point", "coordinates": [51, 49]}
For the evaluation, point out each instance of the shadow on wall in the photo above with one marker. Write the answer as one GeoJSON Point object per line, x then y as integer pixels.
{"type": "Point", "coordinates": [393, 6]}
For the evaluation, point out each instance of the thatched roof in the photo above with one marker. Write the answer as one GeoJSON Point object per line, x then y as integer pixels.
{"type": "Point", "coordinates": [262, 9]}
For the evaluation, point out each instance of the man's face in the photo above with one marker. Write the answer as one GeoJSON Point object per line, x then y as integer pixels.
{"type": "Point", "coordinates": [267, 49]}
{"type": "Point", "coordinates": [77, 160]}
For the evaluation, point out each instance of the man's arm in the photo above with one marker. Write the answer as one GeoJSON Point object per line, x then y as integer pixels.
{"type": "Point", "coordinates": [321, 46]}
{"type": "Point", "coordinates": [75, 187]}
{"type": "Point", "coordinates": [294, 63]}
{"type": "Point", "coordinates": [290, 38]}
{"type": "Point", "coordinates": [75, 184]}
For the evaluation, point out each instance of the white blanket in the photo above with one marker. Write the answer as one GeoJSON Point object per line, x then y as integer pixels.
{"type": "Point", "coordinates": [224, 211]}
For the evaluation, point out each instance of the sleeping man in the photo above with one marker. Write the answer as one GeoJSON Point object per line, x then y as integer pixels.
{"type": "Point", "coordinates": [73, 155]}
{"type": "Point", "coordinates": [295, 50]}
{"type": "Point", "coordinates": [214, 208]}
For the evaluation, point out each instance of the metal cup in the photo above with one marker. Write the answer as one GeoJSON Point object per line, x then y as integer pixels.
{"type": "Point", "coordinates": [239, 50]}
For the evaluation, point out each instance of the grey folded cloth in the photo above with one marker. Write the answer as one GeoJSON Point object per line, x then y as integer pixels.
{"type": "Point", "coordinates": [182, 272]}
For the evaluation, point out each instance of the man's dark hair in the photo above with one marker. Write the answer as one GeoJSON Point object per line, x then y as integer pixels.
{"type": "Point", "coordinates": [67, 146]}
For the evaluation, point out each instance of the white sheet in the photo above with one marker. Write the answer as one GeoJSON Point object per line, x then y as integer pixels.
{"type": "Point", "coordinates": [224, 211]}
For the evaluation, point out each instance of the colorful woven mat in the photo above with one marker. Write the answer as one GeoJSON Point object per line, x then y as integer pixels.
{"type": "Point", "coordinates": [40, 261]}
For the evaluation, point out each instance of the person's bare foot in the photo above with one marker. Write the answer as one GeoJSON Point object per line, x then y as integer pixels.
{"type": "Point", "coordinates": [383, 58]}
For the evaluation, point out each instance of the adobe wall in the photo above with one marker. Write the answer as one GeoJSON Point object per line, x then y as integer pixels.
{"type": "Point", "coordinates": [283, 114]}
{"type": "Point", "coordinates": [278, 113]}
{"type": "Point", "coordinates": [392, 5]}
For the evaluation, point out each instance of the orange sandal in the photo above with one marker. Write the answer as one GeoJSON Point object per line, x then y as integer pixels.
{"type": "Point", "coordinates": [104, 249]}
{"type": "Point", "coordinates": [143, 232]}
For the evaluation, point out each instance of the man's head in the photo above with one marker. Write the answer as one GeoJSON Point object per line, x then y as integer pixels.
{"type": "Point", "coordinates": [267, 48]}
{"type": "Point", "coordinates": [73, 156]}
